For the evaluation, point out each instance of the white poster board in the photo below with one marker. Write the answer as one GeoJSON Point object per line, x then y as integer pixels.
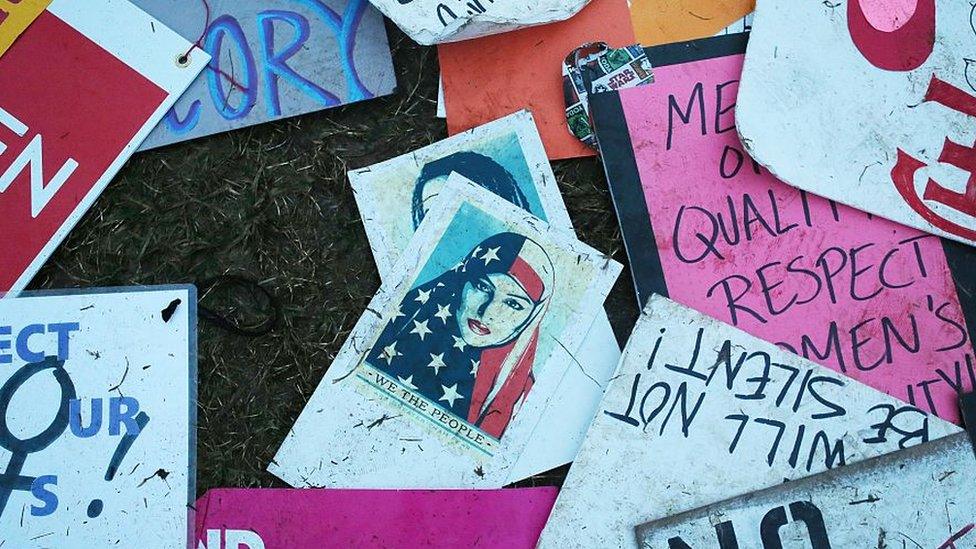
{"type": "Point", "coordinates": [700, 411]}
{"type": "Point", "coordinates": [868, 103]}
{"type": "Point", "coordinates": [97, 418]}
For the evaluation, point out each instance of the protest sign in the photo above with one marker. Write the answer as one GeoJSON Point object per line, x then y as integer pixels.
{"type": "Point", "coordinates": [309, 519]}
{"type": "Point", "coordinates": [97, 417]}
{"type": "Point", "coordinates": [15, 17]}
{"type": "Point", "coordinates": [68, 124]}
{"type": "Point", "coordinates": [666, 21]}
{"type": "Point", "coordinates": [869, 104]}
{"type": "Point", "coordinates": [435, 21]}
{"type": "Point", "coordinates": [920, 497]}
{"type": "Point", "coordinates": [699, 412]}
{"type": "Point", "coordinates": [705, 225]}
{"type": "Point", "coordinates": [487, 78]}
{"type": "Point", "coordinates": [272, 59]}
{"type": "Point", "coordinates": [455, 360]}
{"type": "Point", "coordinates": [506, 157]}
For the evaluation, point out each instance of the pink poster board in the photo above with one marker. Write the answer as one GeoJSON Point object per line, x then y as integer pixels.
{"type": "Point", "coordinates": [707, 226]}
{"type": "Point", "coordinates": [256, 518]}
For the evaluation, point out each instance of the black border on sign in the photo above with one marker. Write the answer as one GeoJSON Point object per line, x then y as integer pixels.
{"type": "Point", "coordinates": [962, 266]}
{"type": "Point", "coordinates": [620, 165]}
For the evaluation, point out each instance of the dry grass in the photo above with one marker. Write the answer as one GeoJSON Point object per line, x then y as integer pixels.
{"type": "Point", "coordinates": [271, 203]}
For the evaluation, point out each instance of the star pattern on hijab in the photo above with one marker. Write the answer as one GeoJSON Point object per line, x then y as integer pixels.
{"type": "Point", "coordinates": [436, 362]}
{"type": "Point", "coordinates": [421, 329]}
{"type": "Point", "coordinates": [491, 255]}
{"type": "Point", "coordinates": [458, 343]}
{"type": "Point", "coordinates": [422, 344]}
{"type": "Point", "coordinates": [407, 382]}
{"type": "Point", "coordinates": [444, 312]}
{"type": "Point", "coordinates": [390, 352]}
{"type": "Point", "coordinates": [450, 394]}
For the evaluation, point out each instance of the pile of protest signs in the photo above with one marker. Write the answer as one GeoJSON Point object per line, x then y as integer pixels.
{"type": "Point", "coordinates": [795, 188]}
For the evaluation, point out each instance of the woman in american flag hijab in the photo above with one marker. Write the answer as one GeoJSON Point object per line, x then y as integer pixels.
{"type": "Point", "coordinates": [467, 339]}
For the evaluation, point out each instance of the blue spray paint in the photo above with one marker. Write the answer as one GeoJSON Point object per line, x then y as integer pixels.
{"type": "Point", "coordinates": [141, 419]}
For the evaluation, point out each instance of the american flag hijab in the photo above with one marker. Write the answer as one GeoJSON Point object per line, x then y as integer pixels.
{"type": "Point", "coordinates": [424, 348]}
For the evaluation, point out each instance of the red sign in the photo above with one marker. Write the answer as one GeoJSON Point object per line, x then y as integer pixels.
{"type": "Point", "coordinates": [71, 112]}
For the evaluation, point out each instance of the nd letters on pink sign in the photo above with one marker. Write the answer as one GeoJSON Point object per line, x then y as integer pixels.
{"type": "Point", "coordinates": [707, 226]}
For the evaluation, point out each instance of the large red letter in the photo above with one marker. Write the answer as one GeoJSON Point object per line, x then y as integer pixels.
{"type": "Point", "coordinates": [903, 49]}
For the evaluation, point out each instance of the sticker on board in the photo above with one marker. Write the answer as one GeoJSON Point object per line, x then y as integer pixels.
{"type": "Point", "coordinates": [67, 125]}
{"type": "Point", "coordinates": [490, 77]}
{"type": "Point", "coordinates": [456, 360]}
{"type": "Point", "coordinates": [707, 226]}
{"type": "Point", "coordinates": [97, 417]}
{"type": "Point", "coordinates": [920, 497]}
{"type": "Point", "coordinates": [870, 104]}
{"type": "Point", "coordinates": [271, 60]}
{"type": "Point", "coordinates": [699, 412]}
{"type": "Point", "coordinates": [507, 158]}
{"type": "Point", "coordinates": [230, 518]}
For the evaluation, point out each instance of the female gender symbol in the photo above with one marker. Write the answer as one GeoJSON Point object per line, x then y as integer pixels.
{"type": "Point", "coordinates": [11, 479]}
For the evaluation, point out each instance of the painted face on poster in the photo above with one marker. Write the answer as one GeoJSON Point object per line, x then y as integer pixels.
{"type": "Point", "coordinates": [904, 150]}
{"type": "Point", "coordinates": [505, 157]}
{"type": "Point", "coordinates": [465, 357]}
{"type": "Point", "coordinates": [96, 396]}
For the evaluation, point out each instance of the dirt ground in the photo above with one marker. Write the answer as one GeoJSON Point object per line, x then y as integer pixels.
{"type": "Point", "coordinates": [272, 204]}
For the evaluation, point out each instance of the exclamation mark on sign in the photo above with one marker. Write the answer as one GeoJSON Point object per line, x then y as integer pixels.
{"type": "Point", "coordinates": [95, 507]}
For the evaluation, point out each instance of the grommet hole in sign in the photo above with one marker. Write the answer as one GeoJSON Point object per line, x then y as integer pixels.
{"type": "Point", "coordinates": [238, 305]}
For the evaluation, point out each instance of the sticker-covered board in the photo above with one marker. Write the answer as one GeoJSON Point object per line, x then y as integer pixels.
{"type": "Point", "coordinates": [699, 412]}
{"type": "Point", "coordinates": [67, 125]}
{"type": "Point", "coordinates": [706, 225]}
{"type": "Point", "coordinates": [487, 78]}
{"type": "Point", "coordinates": [455, 361]}
{"type": "Point", "coordinates": [309, 519]}
{"type": "Point", "coordinates": [272, 59]}
{"type": "Point", "coordinates": [97, 418]}
{"type": "Point", "coordinates": [869, 103]}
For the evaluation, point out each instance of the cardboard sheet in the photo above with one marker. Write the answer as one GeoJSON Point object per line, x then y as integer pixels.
{"type": "Point", "coordinates": [870, 104]}
{"type": "Point", "coordinates": [488, 78]}
{"type": "Point", "coordinates": [272, 59]}
{"type": "Point", "coordinates": [456, 359]}
{"type": "Point", "coordinates": [97, 418]}
{"type": "Point", "coordinates": [699, 412]}
{"type": "Point", "coordinates": [310, 519]}
{"type": "Point", "coordinates": [704, 224]}
{"type": "Point", "coordinates": [505, 156]}
{"type": "Point", "coordinates": [665, 21]}
{"type": "Point", "coordinates": [920, 497]}
{"type": "Point", "coordinates": [15, 17]}
{"type": "Point", "coordinates": [67, 125]}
